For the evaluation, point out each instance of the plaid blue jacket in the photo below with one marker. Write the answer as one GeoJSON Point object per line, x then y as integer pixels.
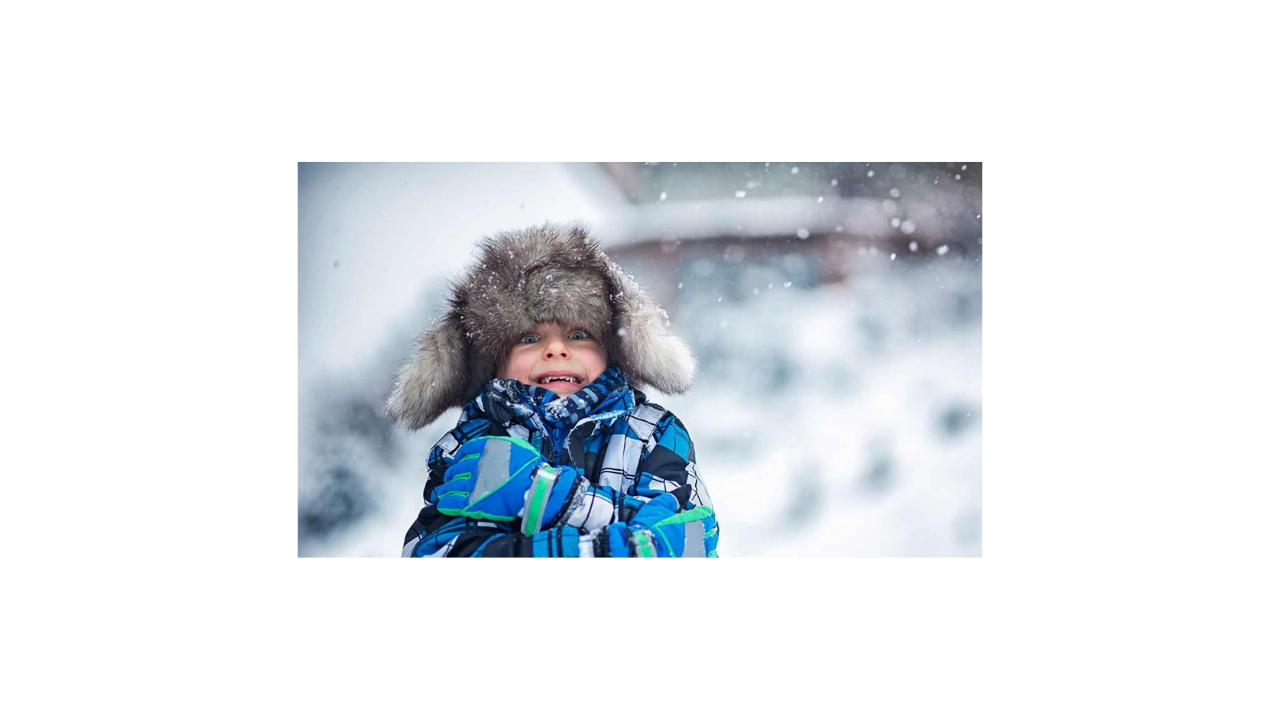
{"type": "Point", "coordinates": [627, 450]}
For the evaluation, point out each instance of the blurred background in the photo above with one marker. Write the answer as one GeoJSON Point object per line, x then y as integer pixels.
{"type": "Point", "coordinates": [835, 309]}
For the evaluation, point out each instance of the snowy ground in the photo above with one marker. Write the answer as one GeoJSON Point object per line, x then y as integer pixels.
{"type": "Point", "coordinates": [829, 420]}
{"type": "Point", "coordinates": [848, 421]}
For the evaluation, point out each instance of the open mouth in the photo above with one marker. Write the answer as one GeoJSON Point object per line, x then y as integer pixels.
{"type": "Point", "coordinates": [558, 378]}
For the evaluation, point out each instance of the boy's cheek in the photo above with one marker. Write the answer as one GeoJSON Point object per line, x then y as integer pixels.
{"type": "Point", "coordinates": [515, 367]}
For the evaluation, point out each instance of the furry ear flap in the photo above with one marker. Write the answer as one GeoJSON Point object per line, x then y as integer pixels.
{"type": "Point", "coordinates": [434, 380]}
{"type": "Point", "coordinates": [647, 350]}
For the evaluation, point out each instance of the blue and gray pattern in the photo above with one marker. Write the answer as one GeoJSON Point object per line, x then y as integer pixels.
{"type": "Point", "coordinates": [627, 451]}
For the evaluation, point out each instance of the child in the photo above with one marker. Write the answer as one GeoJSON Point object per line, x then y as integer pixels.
{"type": "Point", "coordinates": [557, 452]}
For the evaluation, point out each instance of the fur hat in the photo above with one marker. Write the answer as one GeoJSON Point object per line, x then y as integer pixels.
{"type": "Point", "coordinates": [552, 273]}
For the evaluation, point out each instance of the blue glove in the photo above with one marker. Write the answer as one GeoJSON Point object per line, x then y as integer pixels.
{"type": "Point", "coordinates": [641, 529]}
{"type": "Point", "coordinates": [662, 529]}
{"type": "Point", "coordinates": [502, 479]}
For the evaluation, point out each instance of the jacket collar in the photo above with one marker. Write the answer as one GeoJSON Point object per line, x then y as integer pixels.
{"type": "Point", "coordinates": [607, 396]}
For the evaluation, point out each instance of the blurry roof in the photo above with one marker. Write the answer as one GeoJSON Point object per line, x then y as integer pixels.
{"type": "Point", "coordinates": [874, 200]}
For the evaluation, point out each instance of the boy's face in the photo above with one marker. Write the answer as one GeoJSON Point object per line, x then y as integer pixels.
{"type": "Point", "coordinates": [552, 351]}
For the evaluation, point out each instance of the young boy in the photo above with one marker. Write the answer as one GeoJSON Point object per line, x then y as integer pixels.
{"type": "Point", "coordinates": [557, 452]}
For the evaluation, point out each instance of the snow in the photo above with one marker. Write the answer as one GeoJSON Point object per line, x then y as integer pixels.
{"type": "Point", "coordinates": [840, 419]}
{"type": "Point", "coordinates": [877, 453]}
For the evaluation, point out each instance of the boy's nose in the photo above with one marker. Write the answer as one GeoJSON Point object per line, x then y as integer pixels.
{"type": "Point", "coordinates": [555, 349]}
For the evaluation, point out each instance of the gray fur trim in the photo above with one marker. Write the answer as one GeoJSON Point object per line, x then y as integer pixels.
{"type": "Point", "coordinates": [644, 345]}
{"type": "Point", "coordinates": [548, 273]}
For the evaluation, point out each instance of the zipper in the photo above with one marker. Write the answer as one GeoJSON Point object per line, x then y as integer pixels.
{"type": "Point", "coordinates": [557, 441]}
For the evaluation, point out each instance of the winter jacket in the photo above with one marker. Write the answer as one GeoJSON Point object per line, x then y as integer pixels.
{"type": "Point", "coordinates": [627, 450]}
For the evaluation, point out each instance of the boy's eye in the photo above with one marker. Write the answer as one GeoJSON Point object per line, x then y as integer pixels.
{"type": "Point", "coordinates": [528, 339]}
{"type": "Point", "coordinates": [578, 335]}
